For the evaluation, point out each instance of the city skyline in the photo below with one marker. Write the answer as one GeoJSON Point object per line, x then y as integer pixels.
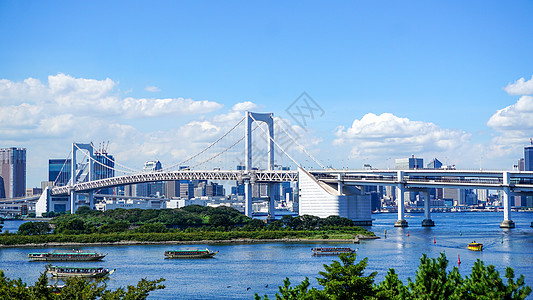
{"type": "Point", "coordinates": [162, 81]}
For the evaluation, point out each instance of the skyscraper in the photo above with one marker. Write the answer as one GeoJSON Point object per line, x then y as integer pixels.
{"type": "Point", "coordinates": [13, 172]}
{"type": "Point", "coordinates": [59, 171]}
{"type": "Point", "coordinates": [409, 163]}
{"type": "Point", "coordinates": [528, 158]}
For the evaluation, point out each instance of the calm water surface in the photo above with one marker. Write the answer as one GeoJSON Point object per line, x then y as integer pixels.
{"type": "Point", "coordinates": [240, 270]}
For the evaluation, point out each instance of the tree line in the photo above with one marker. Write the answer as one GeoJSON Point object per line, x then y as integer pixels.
{"type": "Point", "coordinates": [346, 279]}
{"type": "Point", "coordinates": [191, 218]}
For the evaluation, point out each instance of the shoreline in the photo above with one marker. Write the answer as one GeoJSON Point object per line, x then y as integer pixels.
{"type": "Point", "coordinates": [235, 241]}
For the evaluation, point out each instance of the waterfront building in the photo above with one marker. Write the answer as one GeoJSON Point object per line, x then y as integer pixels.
{"type": "Point", "coordinates": [172, 189]}
{"type": "Point", "coordinates": [151, 189]}
{"type": "Point", "coordinates": [324, 200]}
{"type": "Point", "coordinates": [186, 189]}
{"type": "Point", "coordinates": [521, 166]}
{"type": "Point", "coordinates": [33, 192]}
{"type": "Point", "coordinates": [13, 172]}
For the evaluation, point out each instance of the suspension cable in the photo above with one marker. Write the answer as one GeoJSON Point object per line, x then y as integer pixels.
{"type": "Point", "coordinates": [207, 148]}
{"type": "Point", "coordinates": [61, 171]}
{"type": "Point", "coordinates": [301, 147]}
{"type": "Point", "coordinates": [105, 166]}
{"type": "Point", "coordinates": [115, 162]}
{"type": "Point", "coordinates": [281, 148]}
{"type": "Point", "coordinates": [220, 153]}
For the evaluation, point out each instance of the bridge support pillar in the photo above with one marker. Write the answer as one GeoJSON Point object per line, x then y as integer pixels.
{"type": "Point", "coordinates": [400, 194]}
{"type": "Point", "coordinates": [271, 202]}
{"type": "Point", "coordinates": [72, 201]}
{"type": "Point", "coordinates": [427, 222]}
{"type": "Point", "coordinates": [91, 199]}
{"type": "Point", "coordinates": [248, 199]}
{"type": "Point", "coordinates": [507, 222]}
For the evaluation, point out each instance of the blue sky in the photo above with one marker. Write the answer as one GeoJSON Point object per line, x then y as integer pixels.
{"type": "Point", "coordinates": [434, 79]}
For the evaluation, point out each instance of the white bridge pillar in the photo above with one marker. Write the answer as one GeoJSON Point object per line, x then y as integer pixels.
{"type": "Point", "coordinates": [268, 118]}
{"type": "Point", "coordinates": [427, 222]}
{"type": "Point", "coordinates": [400, 195]}
{"type": "Point", "coordinates": [507, 222]}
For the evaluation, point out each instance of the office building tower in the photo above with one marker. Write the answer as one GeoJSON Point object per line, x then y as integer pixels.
{"type": "Point", "coordinates": [104, 168]}
{"type": "Point", "coordinates": [151, 189]}
{"type": "Point", "coordinates": [59, 171]}
{"type": "Point", "coordinates": [13, 172]}
{"type": "Point", "coordinates": [521, 166]}
{"type": "Point", "coordinates": [528, 158]}
{"type": "Point", "coordinates": [434, 164]}
{"type": "Point", "coordinates": [409, 163]}
{"type": "Point", "coordinates": [172, 189]}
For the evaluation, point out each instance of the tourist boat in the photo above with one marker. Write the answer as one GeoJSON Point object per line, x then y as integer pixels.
{"type": "Point", "coordinates": [190, 253]}
{"type": "Point", "coordinates": [332, 250]}
{"type": "Point", "coordinates": [85, 272]}
{"type": "Point", "coordinates": [475, 246]}
{"type": "Point", "coordinates": [72, 255]}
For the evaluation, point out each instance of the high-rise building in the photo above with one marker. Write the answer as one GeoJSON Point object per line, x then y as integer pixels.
{"type": "Point", "coordinates": [151, 188]}
{"type": "Point", "coordinates": [59, 171]}
{"type": "Point", "coordinates": [13, 172]}
{"type": "Point", "coordinates": [409, 163]}
{"type": "Point", "coordinates": [434, 164]}
{"type": "Point", "coordinates": [528, 158]}
{"type": "Point", "coordinates": [104, 168]}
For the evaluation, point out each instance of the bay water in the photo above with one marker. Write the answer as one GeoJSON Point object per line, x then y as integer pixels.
{"type": "Point", "coordinates": [239, 271]}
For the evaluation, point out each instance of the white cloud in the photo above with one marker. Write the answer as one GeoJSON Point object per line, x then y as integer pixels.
{"type": "Point", "coordinates": [520, 87]}
{"type": "Point", "coordinates": [152, 89]}
{"type": "Point", "coordinates": [516, 117]}
{"type": "Point", "coordinates": [514, 125]}
{"type": "Point", "coordinates": [244, 106]}
{"type": "Point", "coordinates": [387, 134]}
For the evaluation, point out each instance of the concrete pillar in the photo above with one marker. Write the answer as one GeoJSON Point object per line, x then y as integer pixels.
{"type": "Point", "coordinates": [271, 202]}
{"type": "Point", "coordinates": [400, 195]}
{"type": "Point", "coordinates": [91, 199]}
{"type": "Point", "coordinates": [248, 199]}
{"type": "Point", "coordinates": [507, 222]}
{"type": "Point", "coordinates": [72, 201]}
{"type": "Point", "coordinates": [427, 222]}
{"type": "Point", "coordinates": [340, 185]}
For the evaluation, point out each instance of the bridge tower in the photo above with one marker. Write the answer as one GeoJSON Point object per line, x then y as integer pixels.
{"type": "Point", "coordinates": [267, 118]}
{"type": "Point", "coordinates": [75, 176]}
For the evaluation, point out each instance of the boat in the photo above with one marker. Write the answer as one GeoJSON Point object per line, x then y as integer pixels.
{"type": "Point", "coordinates": [86, 272]}
{"type": "Point", "coordinates": [190, 253]}
{"type": "Point", "coordinates": [72, 255]}
{"type": "Point", "coordinates": [332, 250]}
{"type": "Point", "coordinates": [475, 246]}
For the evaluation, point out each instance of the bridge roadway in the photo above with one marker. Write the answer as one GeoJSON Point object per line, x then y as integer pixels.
{"type": "Point", "coordinates": [412, 179]}
{"type": "Point", "coordinates": [509, 182]}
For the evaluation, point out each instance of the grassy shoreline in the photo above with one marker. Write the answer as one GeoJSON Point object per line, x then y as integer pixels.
{"type": "Point", "coordinates": [234, 241]}
{"type": "Point", "coordinates": [13, 241]}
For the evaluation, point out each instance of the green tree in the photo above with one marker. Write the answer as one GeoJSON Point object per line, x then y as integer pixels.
{"type": "Point", "coordinates": [432, 281]}
{"type": "Point", "coordinates": [485, 283]}
{"type": "Point", "coordinates": [391, 287]}
{"type": "Point", "coordinates": [347, 280]}
{"type": "Point", "coordinates": [155, 227]}
{"type": "Point", "coordinates": [34, 228]}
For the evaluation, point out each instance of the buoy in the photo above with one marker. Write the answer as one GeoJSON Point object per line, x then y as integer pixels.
{"type": "Point", "coordinates": [460, 234]}
{"type": "Point", "coordinates": [458, 259]}
{"type": "Point", "coordinates": [434, 241]}
{"type": "Point", "coordinates": [385, 232]}
{"type": "Point", "coordinates": [407, 233]}
{"type": "Point", "coordinates": [502, 240]}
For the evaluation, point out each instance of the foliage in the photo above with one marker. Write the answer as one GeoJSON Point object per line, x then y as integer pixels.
{"type": "Point", "coordinates": [432, 281]}
{"type": "Point", "coordinates": [75, 288]}
{"type": "Point", "coordinates": [34, 228]}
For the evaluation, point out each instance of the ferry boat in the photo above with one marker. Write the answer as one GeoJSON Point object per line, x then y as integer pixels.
{"type": "Point", "coordinates": [332, 250]}
{"type": "Point", "coordinates": [85, 272]}
{"type": "Point", "coordinates": [190, 253]}
{"type": "Point", "coordinates": [475, 246]}
{"type": "Point", "coordinates": [73, 255]}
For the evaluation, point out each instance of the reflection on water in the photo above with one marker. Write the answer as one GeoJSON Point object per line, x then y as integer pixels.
{"type": "Point", "coordinates": [262, 267]}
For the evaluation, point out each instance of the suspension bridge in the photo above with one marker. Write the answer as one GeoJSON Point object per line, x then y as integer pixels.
{"type": "Point", "coordinates": [322, 191]}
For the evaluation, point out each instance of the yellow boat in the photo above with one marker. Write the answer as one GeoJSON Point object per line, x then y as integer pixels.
{"type": "Point", "coordinates": [475, 246]}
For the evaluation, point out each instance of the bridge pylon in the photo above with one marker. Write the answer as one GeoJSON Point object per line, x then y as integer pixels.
{"type": "Point", "coordinates": [267, 118]}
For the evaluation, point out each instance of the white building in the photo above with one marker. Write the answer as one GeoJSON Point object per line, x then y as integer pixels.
{"type": "Point", "coordinates": [324, 200]}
